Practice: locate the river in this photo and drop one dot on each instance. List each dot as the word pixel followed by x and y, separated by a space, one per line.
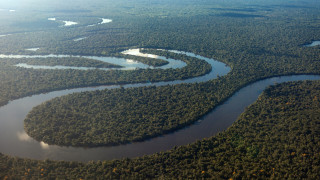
pixel 127 64
pixel 14 141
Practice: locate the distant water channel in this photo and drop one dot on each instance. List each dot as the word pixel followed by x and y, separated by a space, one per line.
pixel 127 64
pixel 314 43
pixel 14 141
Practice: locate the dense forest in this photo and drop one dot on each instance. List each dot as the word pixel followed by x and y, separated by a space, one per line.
pixel 254 47
pixel 263 51
pixel 277 137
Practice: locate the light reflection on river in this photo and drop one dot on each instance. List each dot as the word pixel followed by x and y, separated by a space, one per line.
pixel 127 64
pixel 314 43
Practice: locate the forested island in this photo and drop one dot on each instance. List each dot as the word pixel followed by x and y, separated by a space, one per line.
pixel 277 137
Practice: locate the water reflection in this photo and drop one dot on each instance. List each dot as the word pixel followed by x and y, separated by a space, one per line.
pixel 103 21
pixel 172 63
pixel 44 145
pixel 4 35
pixel 69 23
pixel 24 65
pixel 130 61
pixel 79 39
pixel 127 64
pixel 23 136
pixel 314 43
pixel 136 52
pixel 66 23
pixel 33 49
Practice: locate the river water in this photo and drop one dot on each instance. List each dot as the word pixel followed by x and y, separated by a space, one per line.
pixel 14 141
pixel 127 64
pixel 313 44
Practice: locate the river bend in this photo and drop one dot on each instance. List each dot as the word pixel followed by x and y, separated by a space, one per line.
pixel 14 141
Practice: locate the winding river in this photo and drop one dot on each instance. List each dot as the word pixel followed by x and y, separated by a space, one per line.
pixel 14 141
pixel 127 64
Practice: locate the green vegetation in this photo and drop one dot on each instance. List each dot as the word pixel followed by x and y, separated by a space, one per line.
pixel 257 40
pixel 255 48
pixel 276 137
pixel 116 116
